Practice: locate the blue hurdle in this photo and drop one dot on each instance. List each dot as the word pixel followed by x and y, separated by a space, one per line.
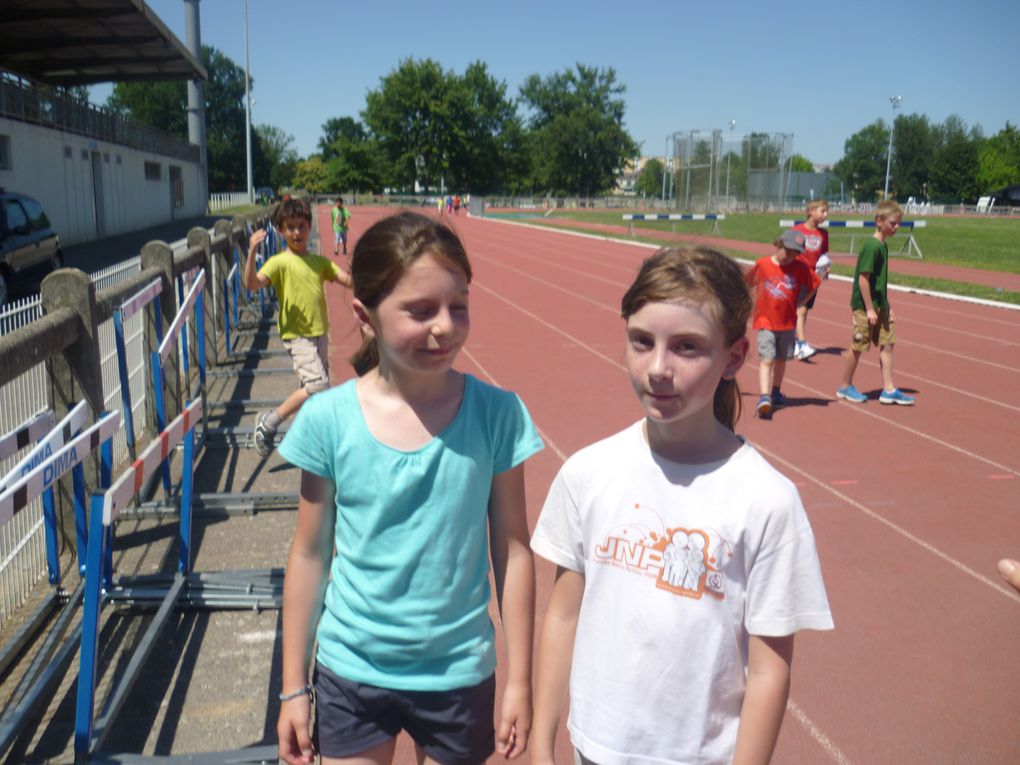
pixel 177 328
pixel 137 302
pixel 106 506
pixel 714 217
pixel 910 245
pixel 42 677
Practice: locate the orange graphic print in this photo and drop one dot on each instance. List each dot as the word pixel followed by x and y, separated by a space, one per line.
pixel 685 562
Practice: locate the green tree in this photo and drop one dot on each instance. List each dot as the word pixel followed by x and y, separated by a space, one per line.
pixel 862 167
pixel 354 160
pixel 649 181
pixel 914 141
pixel 163 105
pixel 280 157
pixel 310 175
pixel 436 127
pixel 576 120
pixel 999 160
pixel 801 164
pixel 955 161
pixel 411 115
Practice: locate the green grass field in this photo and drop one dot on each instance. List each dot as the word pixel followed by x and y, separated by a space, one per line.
pixel 992 244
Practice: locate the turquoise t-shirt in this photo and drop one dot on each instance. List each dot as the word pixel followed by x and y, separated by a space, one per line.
pixel 406 606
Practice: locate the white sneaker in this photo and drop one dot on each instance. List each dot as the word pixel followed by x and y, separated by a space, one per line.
pixel 798 349
pixel 806 351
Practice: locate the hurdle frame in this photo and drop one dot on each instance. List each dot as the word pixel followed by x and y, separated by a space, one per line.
pixel 909 246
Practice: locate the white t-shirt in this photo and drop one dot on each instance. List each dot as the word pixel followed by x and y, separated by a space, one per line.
pixel 682 563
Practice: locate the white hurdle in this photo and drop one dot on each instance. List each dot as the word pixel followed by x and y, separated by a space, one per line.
pixel 714 217
pixel 910 245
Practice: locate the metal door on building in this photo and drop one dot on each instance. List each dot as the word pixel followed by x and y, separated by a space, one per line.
pixel 176 191
pixel 98 208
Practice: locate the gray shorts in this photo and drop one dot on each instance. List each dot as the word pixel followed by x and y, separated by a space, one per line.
pixel 311 361
pixel 776 345
pixel 452 727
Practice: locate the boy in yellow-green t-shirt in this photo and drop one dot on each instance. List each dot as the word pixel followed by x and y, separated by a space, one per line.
pixel 299 278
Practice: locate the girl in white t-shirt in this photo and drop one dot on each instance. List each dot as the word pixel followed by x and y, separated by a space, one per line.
pixel 685 562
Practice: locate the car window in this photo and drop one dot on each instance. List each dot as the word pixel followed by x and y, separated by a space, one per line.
pixel 36 216
pixel 14 214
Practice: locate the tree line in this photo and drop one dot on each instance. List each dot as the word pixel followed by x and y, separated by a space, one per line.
pixel 561 134
pixel 941 162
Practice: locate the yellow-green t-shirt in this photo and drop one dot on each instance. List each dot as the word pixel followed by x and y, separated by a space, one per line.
pixel 298 280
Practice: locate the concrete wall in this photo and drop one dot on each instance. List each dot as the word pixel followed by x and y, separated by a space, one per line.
pixel 92 189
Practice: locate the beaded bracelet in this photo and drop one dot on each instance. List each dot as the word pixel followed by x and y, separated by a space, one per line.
pixel 303 692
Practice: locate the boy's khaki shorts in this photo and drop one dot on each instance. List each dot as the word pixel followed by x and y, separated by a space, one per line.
pixel 864 335
pixel 311 361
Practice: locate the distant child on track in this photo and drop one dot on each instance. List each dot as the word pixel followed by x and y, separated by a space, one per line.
pixel 299 278
pixel 685 562
pixel 412 476
pixel 872 316
pixel 782 284
pixel 815 257
pixel 341 217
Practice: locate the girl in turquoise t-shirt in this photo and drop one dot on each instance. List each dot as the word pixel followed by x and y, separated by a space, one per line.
pixel 412 475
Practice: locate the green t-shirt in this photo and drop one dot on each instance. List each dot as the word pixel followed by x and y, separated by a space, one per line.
pixel 340 218
pixel 298 281
pixel 874 261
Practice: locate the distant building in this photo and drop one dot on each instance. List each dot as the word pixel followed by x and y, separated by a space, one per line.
pixel 95 173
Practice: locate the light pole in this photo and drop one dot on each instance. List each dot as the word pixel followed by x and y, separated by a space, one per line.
pixel 733 124
pixel 247 106
pixel 895 101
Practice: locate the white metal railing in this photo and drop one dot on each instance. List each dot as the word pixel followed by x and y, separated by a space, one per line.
pixel 228 199
pixel 22 541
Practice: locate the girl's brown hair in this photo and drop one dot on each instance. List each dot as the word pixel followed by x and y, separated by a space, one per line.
pixel 382 256
pixel 705 277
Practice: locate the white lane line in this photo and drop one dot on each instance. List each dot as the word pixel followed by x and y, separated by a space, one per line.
pixel 861 409
pixel 1009 593
pixel 826 743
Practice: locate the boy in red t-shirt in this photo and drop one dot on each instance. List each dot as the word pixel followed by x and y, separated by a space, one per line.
pixel 782 284
pixel 816 244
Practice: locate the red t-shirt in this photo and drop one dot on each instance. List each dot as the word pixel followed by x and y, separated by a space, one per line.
pixel 816 243
pixel 777 289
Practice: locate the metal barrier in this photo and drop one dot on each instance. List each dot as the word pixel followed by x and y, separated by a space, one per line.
pixel 52 660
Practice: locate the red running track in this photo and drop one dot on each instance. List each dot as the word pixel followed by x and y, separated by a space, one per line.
pixel 911 507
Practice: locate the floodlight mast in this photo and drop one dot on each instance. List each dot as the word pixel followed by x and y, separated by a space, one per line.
pixel 895 101
pixel 247 107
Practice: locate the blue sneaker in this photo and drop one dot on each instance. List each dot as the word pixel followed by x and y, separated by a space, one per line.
pixel 778 399
pixel 850 393
pixel 764 408
pixel 895 396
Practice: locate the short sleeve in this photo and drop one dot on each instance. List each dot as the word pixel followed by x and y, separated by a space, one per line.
pixel 270 270
pixel 785 591
pixel 515 437
pixel 558 534
pixel 306 443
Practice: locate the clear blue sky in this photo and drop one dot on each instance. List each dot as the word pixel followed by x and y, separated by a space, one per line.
pixel 821 71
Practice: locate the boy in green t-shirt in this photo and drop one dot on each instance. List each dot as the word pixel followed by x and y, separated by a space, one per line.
pixel 873 318
pixel 299 278
pixel 341 217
